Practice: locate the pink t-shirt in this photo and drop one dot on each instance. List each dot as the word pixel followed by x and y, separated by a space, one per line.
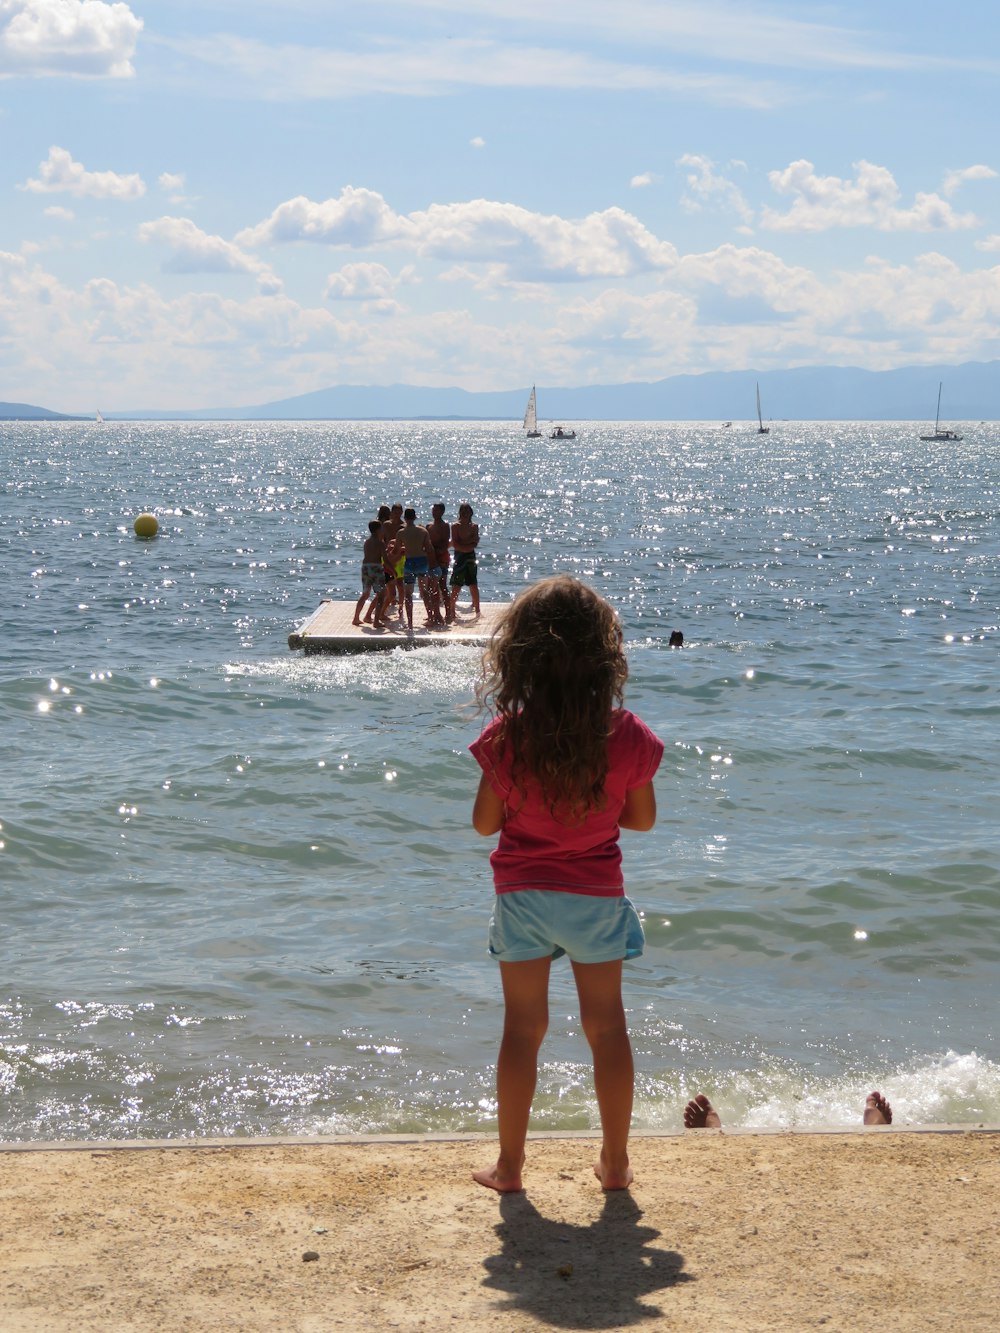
pixel 535 850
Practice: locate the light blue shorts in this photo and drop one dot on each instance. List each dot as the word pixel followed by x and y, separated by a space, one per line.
pixel 546 923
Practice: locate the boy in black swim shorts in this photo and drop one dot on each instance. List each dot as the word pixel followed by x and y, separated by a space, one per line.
pixel 465 539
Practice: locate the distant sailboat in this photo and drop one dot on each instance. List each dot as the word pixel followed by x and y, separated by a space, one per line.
pixel 761 428
pixel 98 418
pixel 940 434
pixel 531 417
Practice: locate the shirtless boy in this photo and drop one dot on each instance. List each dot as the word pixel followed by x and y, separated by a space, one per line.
pixel 440 535
pixel 465 539
pixel 419 558
pixel 372 577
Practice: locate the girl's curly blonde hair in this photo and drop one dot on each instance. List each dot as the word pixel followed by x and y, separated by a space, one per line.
pixel 553 674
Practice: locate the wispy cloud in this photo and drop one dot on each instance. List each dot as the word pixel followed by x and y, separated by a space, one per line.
pixel 423 68
pixel 59 174
pixel 83 38
pixel 743 33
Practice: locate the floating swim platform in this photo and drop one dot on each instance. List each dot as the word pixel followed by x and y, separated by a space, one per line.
pixel 331 629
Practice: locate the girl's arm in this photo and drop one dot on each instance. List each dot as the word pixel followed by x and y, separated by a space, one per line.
pixel 488 811
pixel 639 810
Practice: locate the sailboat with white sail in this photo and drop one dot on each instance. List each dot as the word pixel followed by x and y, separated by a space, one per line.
pixel 531 422
pixel 531 417
pixel 940 434
pixel 761 428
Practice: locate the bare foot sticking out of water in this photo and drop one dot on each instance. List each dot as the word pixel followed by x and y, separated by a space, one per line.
pixel 496 1178
pixel 877 1110
pixel 701 1114
pixel 619 1179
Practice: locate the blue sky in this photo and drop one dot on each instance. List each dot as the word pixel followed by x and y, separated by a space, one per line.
pixel 221 203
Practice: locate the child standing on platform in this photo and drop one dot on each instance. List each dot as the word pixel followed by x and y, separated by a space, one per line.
pixel 372 577
pixel 564 768
pixel 465 539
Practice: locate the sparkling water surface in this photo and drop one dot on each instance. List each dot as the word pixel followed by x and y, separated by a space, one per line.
pixel 240 891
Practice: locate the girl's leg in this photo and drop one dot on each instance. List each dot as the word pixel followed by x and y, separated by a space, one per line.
pixel 602 1014
pixel 525 1019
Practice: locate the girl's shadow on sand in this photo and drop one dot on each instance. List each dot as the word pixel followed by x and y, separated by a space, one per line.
pixel 581 1277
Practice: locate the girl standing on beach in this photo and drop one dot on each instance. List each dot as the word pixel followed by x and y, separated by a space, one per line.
pixel 564 768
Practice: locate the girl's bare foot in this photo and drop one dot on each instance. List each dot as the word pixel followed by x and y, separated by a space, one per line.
pixel 500 1179
pixel 618 1179
pixel 877 1110
pixel 701 1114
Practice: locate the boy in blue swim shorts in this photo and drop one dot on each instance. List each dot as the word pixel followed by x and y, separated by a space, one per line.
pixel 419 555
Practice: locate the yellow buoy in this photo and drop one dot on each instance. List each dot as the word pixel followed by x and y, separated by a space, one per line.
pixel 146 525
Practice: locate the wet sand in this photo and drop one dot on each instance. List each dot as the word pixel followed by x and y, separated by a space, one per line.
pixel 720 1232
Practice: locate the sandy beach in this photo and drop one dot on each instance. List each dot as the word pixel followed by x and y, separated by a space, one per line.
pixel 719 1232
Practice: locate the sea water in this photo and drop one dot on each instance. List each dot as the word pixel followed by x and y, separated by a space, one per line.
pixel 240 891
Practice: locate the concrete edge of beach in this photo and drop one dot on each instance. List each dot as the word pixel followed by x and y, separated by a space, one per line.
pixel 327 1140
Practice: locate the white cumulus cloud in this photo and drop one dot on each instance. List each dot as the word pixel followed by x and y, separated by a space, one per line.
pixel 870 199
pixel 172 183
pixel 531 247
pixel 357 218
pixel 954 179
pixel 85 38
pixel 196 251
pixel 709 188
pixel 361 282
pixel 644 178
pixel 60 174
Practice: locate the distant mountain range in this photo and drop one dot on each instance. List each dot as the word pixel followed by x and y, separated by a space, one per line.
pixel 26 412
pixel 814 393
